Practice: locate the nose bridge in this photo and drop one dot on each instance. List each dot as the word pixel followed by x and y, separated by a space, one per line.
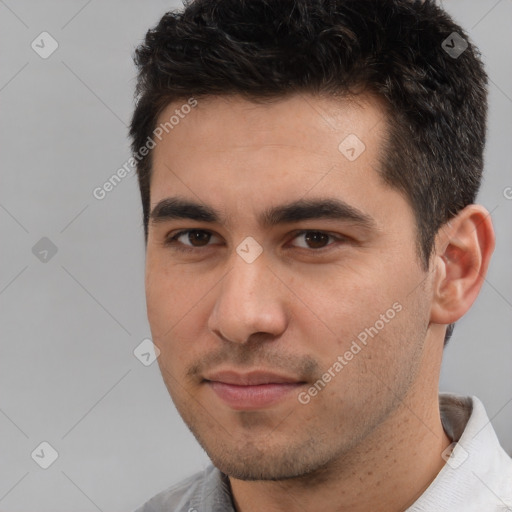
pixel 248 301
pixel 248 276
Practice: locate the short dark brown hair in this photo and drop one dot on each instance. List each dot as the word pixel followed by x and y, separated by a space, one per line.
pixel 409 53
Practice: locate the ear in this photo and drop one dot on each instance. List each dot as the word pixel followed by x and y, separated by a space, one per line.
pixel 463 249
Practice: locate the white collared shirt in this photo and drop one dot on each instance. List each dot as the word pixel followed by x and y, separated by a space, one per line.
pixel 477 477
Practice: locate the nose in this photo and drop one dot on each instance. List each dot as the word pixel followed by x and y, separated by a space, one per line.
pixel 250 300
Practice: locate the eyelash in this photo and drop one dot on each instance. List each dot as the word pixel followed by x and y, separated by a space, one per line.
pixel 175 245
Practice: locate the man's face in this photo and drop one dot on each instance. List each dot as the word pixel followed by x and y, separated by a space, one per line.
pixel 285 350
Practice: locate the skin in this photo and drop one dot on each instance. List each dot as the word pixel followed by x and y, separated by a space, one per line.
pixel 372 437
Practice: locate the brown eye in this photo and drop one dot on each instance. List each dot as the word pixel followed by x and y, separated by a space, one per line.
pixel 189 239
pixel 314 239
pixel 199 238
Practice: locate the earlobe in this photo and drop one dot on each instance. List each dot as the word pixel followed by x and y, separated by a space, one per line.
pixel 464 246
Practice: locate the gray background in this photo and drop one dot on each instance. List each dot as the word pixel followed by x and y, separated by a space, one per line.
pixel 69 326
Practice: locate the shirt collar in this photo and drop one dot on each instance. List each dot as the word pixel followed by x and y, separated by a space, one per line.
pixel 477 468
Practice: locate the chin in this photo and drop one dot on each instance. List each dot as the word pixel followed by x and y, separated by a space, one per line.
pixel 271 463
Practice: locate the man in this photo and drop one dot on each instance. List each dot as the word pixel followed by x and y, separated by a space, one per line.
pixel 308 172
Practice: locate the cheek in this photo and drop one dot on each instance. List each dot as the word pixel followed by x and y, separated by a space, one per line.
pixel 368 314
pixel 351 300
pixel 169 293
pixel 166 301
pixel 159 303
pixel 177 305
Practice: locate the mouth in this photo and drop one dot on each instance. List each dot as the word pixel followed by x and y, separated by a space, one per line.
pixel 251 391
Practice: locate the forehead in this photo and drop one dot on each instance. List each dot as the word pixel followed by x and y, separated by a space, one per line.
pixel 293 120
pixel 251 152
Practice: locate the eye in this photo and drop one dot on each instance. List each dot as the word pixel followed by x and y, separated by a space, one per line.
pixel 316 239
pixel 189 239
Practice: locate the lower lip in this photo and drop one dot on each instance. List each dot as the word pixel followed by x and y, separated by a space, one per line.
pixel 252 397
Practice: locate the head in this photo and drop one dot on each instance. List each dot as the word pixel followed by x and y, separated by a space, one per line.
pixel 345 119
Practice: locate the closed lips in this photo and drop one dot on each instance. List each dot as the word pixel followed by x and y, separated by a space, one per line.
pixel 251 379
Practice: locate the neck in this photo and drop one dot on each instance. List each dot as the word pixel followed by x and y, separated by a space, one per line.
pixel 388 471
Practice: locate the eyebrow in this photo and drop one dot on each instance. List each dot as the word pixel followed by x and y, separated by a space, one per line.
pixel 296 211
